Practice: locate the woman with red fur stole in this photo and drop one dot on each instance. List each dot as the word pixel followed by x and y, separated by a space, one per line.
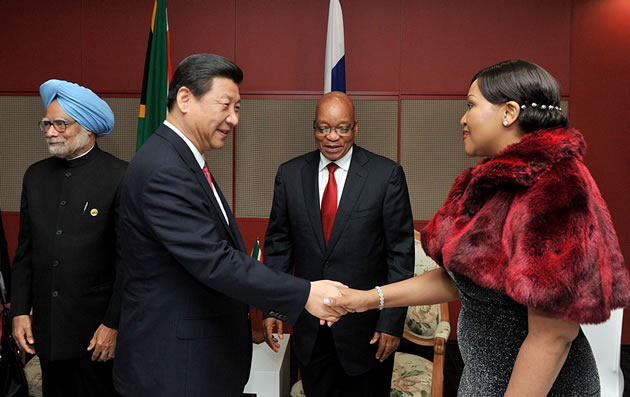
pixel 524 239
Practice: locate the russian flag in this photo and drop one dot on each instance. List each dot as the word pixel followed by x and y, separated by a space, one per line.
pixel 335 65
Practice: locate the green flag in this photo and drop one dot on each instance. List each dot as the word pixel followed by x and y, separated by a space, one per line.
pixel 157 75
pixel 256 251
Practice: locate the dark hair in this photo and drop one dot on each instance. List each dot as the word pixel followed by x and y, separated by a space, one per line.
pixel 526 84
pixel 197 71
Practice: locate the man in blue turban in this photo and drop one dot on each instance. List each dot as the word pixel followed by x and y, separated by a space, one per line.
pixel 66 264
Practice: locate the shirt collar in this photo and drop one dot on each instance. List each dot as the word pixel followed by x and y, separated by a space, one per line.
pixel 83 154
pixel 82 159
pixel 198 156
pixel 343 163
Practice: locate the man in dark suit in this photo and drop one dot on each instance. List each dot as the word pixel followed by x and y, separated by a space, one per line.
pixel 65 266
pixel 367 241
pixel 184 327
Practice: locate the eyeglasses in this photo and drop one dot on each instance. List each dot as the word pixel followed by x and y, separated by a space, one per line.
pixel 341 130
pixel 59 125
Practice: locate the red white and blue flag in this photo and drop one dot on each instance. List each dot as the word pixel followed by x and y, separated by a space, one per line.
pixel 335 64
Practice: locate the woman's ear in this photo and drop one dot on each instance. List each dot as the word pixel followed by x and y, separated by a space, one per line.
pixel 511 111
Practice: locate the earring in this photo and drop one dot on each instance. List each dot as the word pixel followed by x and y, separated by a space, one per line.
pixel 505 123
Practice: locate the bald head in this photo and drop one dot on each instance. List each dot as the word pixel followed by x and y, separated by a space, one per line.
pixel 335 127
pixel 338 100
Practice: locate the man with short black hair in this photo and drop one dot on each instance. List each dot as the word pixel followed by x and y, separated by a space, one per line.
pixel 185 328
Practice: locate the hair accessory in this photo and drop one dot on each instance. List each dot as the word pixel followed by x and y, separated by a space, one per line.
pixel 505 123
pixel 543 107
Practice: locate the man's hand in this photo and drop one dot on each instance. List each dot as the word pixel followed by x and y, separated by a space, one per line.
pixel 319 297
pixel 354 300
pixel 23 334
pixel 387 344
pixel 104 343
pixel 268 325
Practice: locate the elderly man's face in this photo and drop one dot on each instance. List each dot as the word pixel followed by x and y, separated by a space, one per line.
pixel 71 143
pixel 335 112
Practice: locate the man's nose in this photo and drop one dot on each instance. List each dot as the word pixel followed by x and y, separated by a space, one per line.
pixel 232 118
pixel 51 132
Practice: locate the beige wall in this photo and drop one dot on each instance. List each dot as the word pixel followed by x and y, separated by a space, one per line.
pixel 270 132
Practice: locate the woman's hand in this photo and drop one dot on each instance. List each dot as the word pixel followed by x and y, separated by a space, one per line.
pixel 354 300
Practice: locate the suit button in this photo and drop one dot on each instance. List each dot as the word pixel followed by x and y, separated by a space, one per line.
pixel 58 232
pixel 55 294
pixel 63 202
pixel 68 173
pixel 55 263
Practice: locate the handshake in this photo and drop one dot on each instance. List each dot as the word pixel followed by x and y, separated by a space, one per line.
pixel 328 301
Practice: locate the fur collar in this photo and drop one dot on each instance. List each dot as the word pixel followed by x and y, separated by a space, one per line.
pixel 521 163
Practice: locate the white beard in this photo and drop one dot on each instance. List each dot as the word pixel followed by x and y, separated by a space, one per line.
pixel 65 151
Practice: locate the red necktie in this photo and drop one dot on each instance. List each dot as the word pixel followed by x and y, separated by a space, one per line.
pixel 206 172
pixel 329 202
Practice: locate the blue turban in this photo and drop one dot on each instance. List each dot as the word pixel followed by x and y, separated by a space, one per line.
pixel 80 103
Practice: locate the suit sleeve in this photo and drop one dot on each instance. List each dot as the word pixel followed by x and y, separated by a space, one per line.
pixel 22 271
pixel 112 315
pixel 278 244
pixel 5 266
pixel 179 214
pixel 398 232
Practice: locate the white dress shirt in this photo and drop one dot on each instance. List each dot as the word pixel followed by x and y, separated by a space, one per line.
pixel 200 160
pixel 340 174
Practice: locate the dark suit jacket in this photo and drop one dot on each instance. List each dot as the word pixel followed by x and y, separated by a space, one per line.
pixel 184 328
pixel 5 265
pixel 66 261
pixel 371 244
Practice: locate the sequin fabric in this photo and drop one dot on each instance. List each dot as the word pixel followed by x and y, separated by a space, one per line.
pixel 490 331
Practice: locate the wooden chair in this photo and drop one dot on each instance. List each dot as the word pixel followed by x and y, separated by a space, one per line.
pixel 426 326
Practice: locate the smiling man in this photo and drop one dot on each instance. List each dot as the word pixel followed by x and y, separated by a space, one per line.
pixel 65 267
pixel 185 328
pixel 342 213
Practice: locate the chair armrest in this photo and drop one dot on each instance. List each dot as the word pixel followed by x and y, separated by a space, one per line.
pixel 443 330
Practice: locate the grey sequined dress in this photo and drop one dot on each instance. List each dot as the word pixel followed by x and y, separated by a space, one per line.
pixel 490 331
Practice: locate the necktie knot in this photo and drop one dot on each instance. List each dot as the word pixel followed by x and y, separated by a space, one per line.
pixel 332 167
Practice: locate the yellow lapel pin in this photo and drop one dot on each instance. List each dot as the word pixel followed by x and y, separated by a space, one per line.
pixel 94 212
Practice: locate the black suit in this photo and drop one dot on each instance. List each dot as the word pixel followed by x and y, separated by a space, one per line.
pixel 66 266
pixel 185 329
pixel 371 244
pixel 66 259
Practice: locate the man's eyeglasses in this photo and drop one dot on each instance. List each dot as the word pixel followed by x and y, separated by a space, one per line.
pixel 341 130
pixel 59 125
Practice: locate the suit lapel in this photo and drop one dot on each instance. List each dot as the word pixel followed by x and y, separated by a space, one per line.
pixel 233 227
pixel 355 180
pixel 310 187
pixel 187 156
